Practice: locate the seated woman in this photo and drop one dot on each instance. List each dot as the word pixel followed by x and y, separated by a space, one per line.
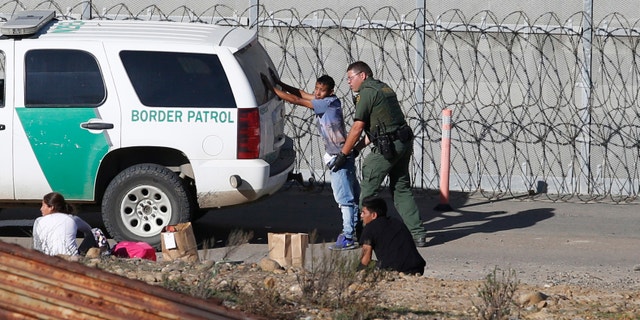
pixel 55 232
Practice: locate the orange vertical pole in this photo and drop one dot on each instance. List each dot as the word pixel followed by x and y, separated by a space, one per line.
pixel 445 161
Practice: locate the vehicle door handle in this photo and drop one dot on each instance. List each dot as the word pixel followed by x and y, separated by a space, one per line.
pixel 2 126
pixel 97 125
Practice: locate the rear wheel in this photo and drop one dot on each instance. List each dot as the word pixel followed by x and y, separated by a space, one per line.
pixel 142 199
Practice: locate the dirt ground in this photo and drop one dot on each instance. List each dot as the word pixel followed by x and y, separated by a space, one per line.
pixel 393 296
pixel 572 260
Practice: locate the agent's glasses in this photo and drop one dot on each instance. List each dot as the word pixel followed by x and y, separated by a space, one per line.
pixel 353 76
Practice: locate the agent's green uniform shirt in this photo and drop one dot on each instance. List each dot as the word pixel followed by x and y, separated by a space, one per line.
pixel 377 105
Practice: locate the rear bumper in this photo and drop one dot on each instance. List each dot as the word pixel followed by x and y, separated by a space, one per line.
pixel 258 177
pixel 286 159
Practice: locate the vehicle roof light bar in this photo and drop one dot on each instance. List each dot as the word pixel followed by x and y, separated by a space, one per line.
pixel 27 22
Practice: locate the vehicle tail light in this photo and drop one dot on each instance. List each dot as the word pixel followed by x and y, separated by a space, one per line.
pixel 248 133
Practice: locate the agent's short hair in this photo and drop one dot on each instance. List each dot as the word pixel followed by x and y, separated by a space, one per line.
pixel 375 204
pixel 360 66
pixel 327 81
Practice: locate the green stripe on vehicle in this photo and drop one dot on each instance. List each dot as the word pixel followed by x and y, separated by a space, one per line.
pixel 69 156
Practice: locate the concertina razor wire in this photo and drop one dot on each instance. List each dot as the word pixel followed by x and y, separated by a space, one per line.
pixel 541 106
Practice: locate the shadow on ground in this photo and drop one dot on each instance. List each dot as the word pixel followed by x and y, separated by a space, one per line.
pixel 462 220
pixel 298 208
pixel 301 209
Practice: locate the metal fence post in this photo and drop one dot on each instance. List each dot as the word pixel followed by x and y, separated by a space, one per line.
pixel 586 84
pixel 421 5
pixel 86 10
pixel 254 13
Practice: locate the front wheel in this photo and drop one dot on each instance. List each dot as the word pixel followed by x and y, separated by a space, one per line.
pixel 142 199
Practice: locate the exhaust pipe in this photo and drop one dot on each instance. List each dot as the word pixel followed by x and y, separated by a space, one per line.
pixel 235 181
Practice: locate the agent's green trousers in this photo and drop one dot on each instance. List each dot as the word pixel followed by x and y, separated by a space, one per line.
pixel 374 170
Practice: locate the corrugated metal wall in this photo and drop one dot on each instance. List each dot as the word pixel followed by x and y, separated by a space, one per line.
pixel 37 286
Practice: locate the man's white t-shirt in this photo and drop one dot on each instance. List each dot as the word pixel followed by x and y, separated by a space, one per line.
pixel 55 234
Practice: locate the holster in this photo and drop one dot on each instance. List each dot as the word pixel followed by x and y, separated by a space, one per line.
pixel 384 141
pixel 385 144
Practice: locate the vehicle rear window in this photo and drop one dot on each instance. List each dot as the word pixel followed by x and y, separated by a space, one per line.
pixel 61 77
pixel 173 79
pixel 254 60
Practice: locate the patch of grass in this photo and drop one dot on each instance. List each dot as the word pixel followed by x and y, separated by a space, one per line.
pixel 197 285
pixel 267 302
pixel 235 240
pixel 403 311
pixel 330 286
pixel 333 281
pixel 496 294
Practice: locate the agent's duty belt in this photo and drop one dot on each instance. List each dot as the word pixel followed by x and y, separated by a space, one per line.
pixel 384 141
pixel 404 134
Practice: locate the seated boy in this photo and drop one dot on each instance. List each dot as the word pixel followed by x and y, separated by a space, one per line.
pixel 389 238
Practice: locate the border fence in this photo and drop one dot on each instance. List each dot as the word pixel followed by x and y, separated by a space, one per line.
pixel 541 105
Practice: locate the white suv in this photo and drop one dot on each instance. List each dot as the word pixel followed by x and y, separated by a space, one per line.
pixel 152 120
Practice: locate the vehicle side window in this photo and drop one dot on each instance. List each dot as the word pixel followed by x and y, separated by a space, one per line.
pixel 60 77
pixel 172 79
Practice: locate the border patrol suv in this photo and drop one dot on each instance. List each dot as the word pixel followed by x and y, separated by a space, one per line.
pixel 151 120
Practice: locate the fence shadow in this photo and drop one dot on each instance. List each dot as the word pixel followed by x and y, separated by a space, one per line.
pixel 302 209
pixel 453 225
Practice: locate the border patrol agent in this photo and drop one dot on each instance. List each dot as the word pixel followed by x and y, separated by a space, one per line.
pixel 379 115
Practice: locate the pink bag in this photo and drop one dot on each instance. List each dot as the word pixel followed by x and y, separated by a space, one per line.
pixel 130 249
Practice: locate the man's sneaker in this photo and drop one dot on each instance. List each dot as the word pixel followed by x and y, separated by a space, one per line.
pixel 421 241
pixel 343 243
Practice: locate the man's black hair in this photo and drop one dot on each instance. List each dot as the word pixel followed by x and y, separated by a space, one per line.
pixel 375 204
pixel 327 81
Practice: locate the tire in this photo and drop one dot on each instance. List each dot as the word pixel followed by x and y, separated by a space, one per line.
pixel 142 199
